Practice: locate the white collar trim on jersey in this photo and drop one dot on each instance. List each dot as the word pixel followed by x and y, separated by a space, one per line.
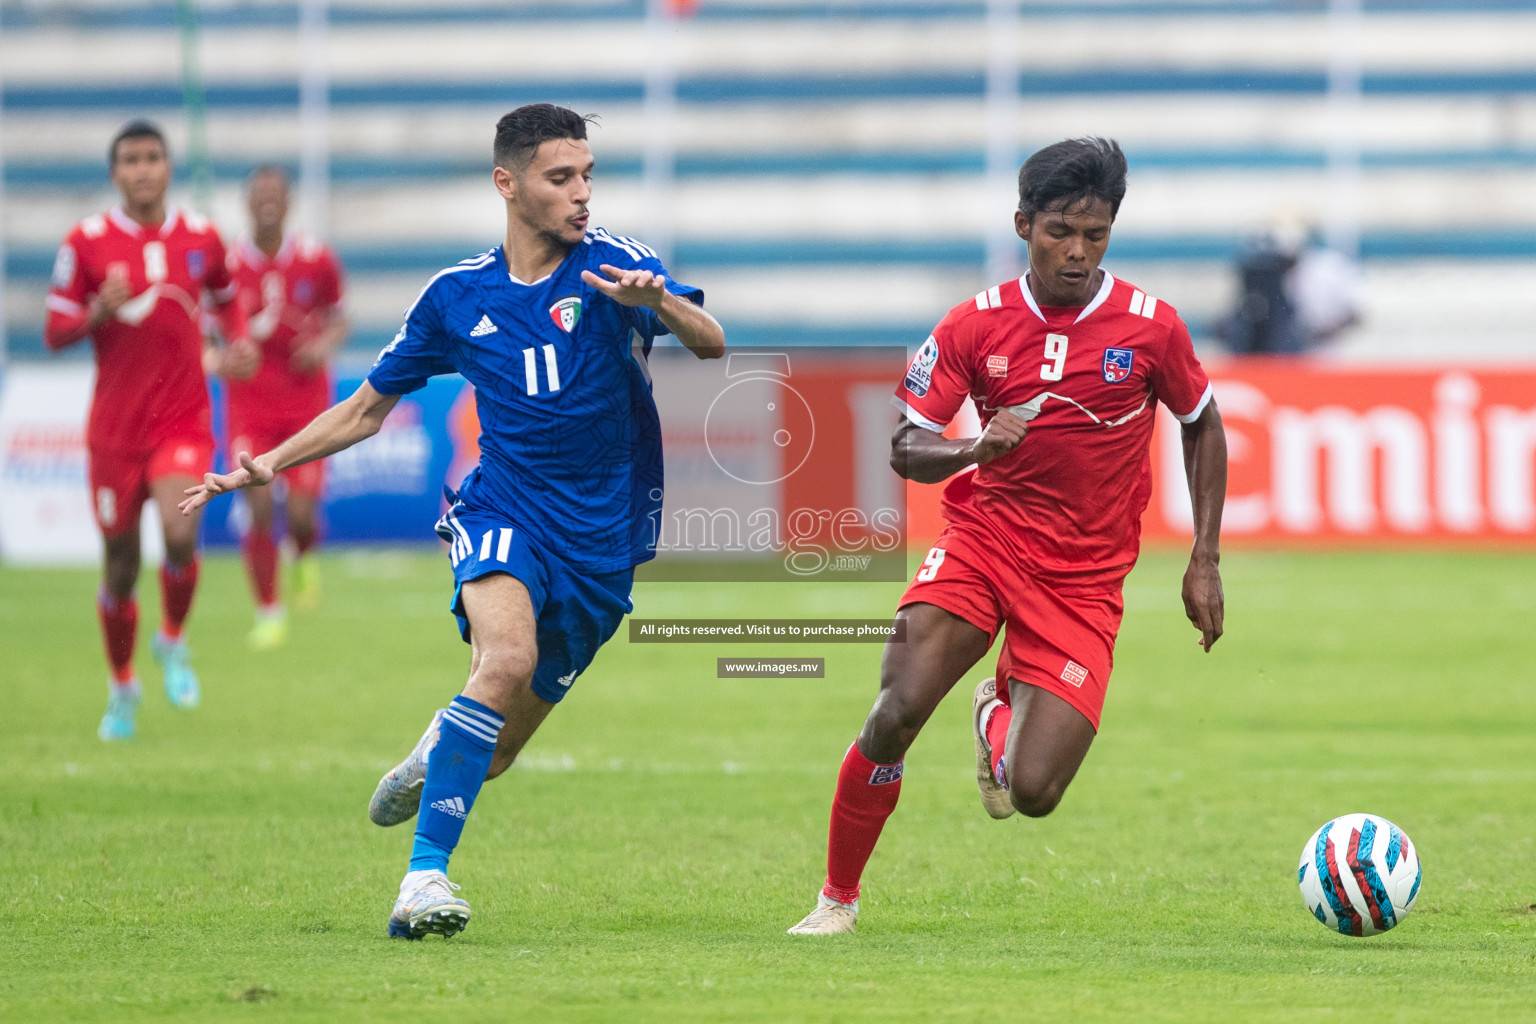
pixel 528 284
pixel 1098 300
pixel 132 227
pixel 252 254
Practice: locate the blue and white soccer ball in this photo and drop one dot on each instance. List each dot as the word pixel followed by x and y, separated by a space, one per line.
pixel 1359 875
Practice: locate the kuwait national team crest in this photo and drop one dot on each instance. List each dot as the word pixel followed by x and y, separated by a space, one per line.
pixel 566 313
pixel 1117 364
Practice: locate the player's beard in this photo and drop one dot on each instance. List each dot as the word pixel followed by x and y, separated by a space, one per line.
pixel 559 236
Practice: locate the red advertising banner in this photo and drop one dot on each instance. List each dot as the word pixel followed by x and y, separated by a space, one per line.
pixel 1323 455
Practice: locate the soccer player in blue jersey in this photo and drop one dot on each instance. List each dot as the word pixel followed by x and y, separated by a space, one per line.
pixel 545 532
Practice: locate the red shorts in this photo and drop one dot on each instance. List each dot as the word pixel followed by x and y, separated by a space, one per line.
pixel 305 479
pixel 120 482
pixel 1060 638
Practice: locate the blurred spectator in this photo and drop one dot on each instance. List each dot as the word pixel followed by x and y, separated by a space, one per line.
pixel 1324 288
pixel 1265 318
pixel 1294 293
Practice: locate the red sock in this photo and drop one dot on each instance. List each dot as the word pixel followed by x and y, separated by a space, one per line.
pixel 866 796
pixel 261 564
pixel 119 627
pixel 997 733
pixel 177 584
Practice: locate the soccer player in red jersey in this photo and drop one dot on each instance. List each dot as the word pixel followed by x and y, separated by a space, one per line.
pixel 132 280
pixel 290 287
pixel 1064 365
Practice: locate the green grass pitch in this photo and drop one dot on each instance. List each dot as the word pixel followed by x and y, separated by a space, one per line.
pixel 666 826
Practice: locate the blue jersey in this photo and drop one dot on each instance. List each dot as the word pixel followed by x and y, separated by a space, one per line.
pixel 570 445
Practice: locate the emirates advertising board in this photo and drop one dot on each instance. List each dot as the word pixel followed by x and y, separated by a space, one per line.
pixel 1324 455
pixel 777 464
pixel 1336 456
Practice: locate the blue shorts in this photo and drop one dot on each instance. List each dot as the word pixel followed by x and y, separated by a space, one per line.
pixel 575 613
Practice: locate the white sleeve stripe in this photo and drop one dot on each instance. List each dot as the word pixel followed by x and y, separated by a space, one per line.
pixel 1205 400
pixel 981 300
pixel 1150 308
pixel 995 296
pixel 916 417
pixel 602 235
pixel 479 261
pixel 1137 298
pixel 644 250
pixel 59 304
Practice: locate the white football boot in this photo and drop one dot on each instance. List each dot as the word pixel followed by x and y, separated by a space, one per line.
pixel 397 797
pixel 427 906
pixel 829 918
pixel 994 796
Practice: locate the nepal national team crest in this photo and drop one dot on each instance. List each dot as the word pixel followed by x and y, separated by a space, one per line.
pixel 566 313
pixel 920 373
pixel 1117 364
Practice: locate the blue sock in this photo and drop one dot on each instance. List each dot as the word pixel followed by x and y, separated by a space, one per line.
pixel 455 772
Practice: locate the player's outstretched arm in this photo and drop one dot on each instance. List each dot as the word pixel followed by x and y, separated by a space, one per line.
pixel 1205 467
pixel 692 324
pixel 339 427
pixel 926 457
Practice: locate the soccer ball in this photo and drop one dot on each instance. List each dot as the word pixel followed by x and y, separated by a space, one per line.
pixel 1359 874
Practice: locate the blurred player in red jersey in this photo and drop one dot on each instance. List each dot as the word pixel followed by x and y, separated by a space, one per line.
pixel 132 280
pixel 290 286
pixel 1065 366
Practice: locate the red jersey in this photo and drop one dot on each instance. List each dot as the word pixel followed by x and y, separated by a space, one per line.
pixel 150 386
pixel 287 298
pixel 1068 501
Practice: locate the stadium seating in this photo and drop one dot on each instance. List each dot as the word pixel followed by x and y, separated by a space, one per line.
pixel 829 156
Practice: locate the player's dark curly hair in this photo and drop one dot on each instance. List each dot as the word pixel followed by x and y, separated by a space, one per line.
pixel 1077 171
pixel 138 128
pixel 520 133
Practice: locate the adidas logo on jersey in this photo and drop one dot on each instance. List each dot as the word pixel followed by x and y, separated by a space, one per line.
pixel 483 328
pixel 452 805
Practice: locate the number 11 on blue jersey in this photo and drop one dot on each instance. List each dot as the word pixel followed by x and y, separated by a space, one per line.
pixel 551 370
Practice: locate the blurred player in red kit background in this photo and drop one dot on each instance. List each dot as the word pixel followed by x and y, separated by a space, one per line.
pixel 132 280
pixel 290 286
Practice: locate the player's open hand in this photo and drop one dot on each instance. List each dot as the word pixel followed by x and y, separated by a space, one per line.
pixel 1004 433
pixel 629 287
pixel 1203 600
pixel 250 474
